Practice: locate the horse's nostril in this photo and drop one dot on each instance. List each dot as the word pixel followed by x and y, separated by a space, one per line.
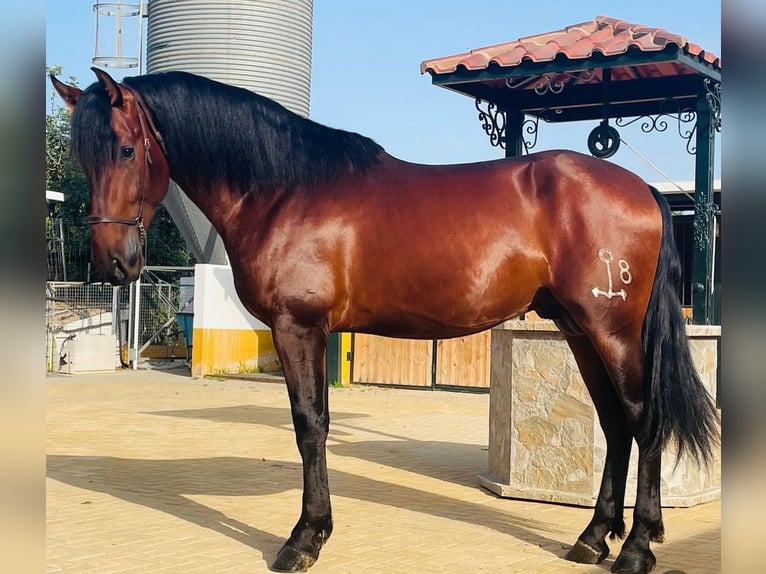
pixel 118 272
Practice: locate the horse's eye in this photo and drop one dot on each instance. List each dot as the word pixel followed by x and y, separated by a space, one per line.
pixel 126 152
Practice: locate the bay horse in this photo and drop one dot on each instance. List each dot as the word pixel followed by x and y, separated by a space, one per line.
pixel 327 232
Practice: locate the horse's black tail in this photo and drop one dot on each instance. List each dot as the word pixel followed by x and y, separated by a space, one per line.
pixel 676 405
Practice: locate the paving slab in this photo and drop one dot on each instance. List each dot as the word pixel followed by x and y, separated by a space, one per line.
pixel 152 471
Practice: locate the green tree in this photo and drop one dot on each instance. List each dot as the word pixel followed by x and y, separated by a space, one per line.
pixel 164 243
pixel 165 246
pixel 62 174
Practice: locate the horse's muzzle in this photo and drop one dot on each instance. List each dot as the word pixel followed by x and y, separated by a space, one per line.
pixel 124 269
pixel 119 258
pixel 118 267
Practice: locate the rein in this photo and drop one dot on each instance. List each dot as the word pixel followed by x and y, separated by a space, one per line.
pixel 146 122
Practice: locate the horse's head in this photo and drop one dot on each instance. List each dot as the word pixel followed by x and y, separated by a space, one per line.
pixel 116 143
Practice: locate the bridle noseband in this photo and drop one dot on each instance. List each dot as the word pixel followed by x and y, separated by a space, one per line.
pixel 146 122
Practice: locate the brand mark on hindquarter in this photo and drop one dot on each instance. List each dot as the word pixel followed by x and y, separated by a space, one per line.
pixel 606 256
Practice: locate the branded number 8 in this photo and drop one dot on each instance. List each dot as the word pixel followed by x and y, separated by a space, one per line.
pixel 625 275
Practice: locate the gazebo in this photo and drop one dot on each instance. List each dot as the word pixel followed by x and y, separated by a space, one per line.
pixel 603 69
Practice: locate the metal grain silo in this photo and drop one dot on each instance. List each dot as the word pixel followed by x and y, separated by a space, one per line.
pixel 260 45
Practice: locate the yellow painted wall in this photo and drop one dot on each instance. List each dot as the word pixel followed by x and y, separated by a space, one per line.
pixel 232 351
pixel 345 363
pixel 237 350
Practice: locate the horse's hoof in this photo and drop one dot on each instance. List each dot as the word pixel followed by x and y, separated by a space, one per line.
pixel 291 559
pixel 633 562
pixel 585 554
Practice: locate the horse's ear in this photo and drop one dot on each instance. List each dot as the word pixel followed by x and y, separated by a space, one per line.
pixel 115 95
pixel 70 94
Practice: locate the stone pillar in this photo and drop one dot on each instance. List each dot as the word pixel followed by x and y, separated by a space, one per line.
pixel 545 442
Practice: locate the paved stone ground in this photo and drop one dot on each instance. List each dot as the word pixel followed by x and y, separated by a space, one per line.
pixel 151 471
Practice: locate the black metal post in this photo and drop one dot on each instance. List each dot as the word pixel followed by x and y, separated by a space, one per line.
pixel 434 366
pixel 333 359
pixel 702 262
pixel 514 138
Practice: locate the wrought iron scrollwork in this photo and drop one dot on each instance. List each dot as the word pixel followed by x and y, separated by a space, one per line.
pixel 713 97
pixel 545 85
pixel 702 226
pixel 512 85
pixel 492 122
pixel 529 133
pixel 686 120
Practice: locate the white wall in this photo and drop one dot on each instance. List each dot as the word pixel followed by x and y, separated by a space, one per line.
pixel 216 304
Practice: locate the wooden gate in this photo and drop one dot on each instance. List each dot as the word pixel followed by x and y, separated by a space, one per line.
pixel 386 361
pixel 463 362
pixel 459 363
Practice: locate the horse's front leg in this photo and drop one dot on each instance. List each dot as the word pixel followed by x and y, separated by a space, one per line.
pixel 302 352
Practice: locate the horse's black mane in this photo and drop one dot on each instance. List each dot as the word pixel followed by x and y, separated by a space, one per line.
pixel 215 133
pixel 93 142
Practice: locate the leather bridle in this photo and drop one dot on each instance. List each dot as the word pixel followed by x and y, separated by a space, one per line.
pixel 146 122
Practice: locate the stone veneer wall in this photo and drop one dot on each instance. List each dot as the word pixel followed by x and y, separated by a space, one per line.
pixel 545 441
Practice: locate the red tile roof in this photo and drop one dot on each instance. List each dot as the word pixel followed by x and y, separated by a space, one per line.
pixel 609 36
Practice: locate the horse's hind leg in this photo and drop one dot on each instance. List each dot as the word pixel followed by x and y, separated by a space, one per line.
pixel 591 547
pixel 623 358
pixel 635 556
pixel 302 353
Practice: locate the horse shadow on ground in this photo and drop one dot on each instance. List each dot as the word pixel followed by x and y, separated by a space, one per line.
pixel 275 417
pixel 166 485
pixel 448 461
pixel 670 555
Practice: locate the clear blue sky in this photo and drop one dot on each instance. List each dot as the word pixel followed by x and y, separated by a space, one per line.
pixel 366 77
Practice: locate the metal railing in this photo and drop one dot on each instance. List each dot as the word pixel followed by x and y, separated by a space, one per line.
pixel 73 308
pixel 141 317
pixel 155 300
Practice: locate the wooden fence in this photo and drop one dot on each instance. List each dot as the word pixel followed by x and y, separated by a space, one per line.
pixel 461 362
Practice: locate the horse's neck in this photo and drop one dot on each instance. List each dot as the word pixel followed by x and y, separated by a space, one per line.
pixel 222 206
